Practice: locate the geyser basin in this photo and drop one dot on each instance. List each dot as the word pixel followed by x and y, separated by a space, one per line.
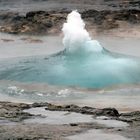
pixel 83 63
pixel 93 70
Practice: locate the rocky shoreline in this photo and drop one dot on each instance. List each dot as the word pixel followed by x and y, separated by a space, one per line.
pixel 12 126
pixel 104 17
pixel 50 22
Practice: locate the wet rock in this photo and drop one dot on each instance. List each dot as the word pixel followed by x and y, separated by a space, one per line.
pixel 42 104
pixel 14 111
pixel 107 112
pixel 84 110
pixel 99 17
pixel 15 115
pixel 70 108
pixel 101 112
pixel 130 117
pixel 8 16
pixel 73 124
pixel 32 40
pixel 34 13
pixel 47 22
pixel 36 22
pixel 7 40
pixel 14 106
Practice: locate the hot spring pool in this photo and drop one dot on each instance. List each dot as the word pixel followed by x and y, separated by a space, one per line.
pixel 89 70
pixel 83 63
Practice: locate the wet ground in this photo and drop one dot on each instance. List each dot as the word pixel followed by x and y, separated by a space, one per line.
pixel 39 121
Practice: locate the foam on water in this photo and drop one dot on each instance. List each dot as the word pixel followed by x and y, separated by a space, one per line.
pixel 83 63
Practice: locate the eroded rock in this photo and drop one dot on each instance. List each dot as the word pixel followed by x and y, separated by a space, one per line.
pixel 47 22
pixel 84 110
pixel 14 111
pixel 130 117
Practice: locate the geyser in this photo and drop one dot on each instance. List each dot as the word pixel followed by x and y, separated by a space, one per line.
pixel 83 63
pixel 76 37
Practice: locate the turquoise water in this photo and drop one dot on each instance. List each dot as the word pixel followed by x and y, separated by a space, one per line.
pixel 83 62
pixel 79 68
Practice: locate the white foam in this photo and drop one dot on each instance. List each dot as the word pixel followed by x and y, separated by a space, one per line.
pixel 76 36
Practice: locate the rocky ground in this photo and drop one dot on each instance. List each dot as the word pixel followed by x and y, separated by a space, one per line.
pixel 12 126
pixel 119 18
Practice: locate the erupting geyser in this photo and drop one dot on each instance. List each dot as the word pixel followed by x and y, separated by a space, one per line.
pixel 83 63
pixel 76 36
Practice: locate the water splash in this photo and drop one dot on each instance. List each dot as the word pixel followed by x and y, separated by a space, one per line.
pixel 76 37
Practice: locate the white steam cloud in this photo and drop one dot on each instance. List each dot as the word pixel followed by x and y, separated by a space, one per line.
pixel 76 36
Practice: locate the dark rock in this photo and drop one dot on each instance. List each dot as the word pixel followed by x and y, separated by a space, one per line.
pixel 34 13
pixel 40 104
pixel 73 124
pixel 132 114
pixel 18 19
pixel 107 112
pixel 7 40
pixel 14 115
pixel 45 22
pixel 130 117
pixel 132 16
pixel 14 111
pixel 84 110
pixel 7 15
pixel 14 106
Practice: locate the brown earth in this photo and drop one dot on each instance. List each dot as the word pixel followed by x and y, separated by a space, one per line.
pixel 109 17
